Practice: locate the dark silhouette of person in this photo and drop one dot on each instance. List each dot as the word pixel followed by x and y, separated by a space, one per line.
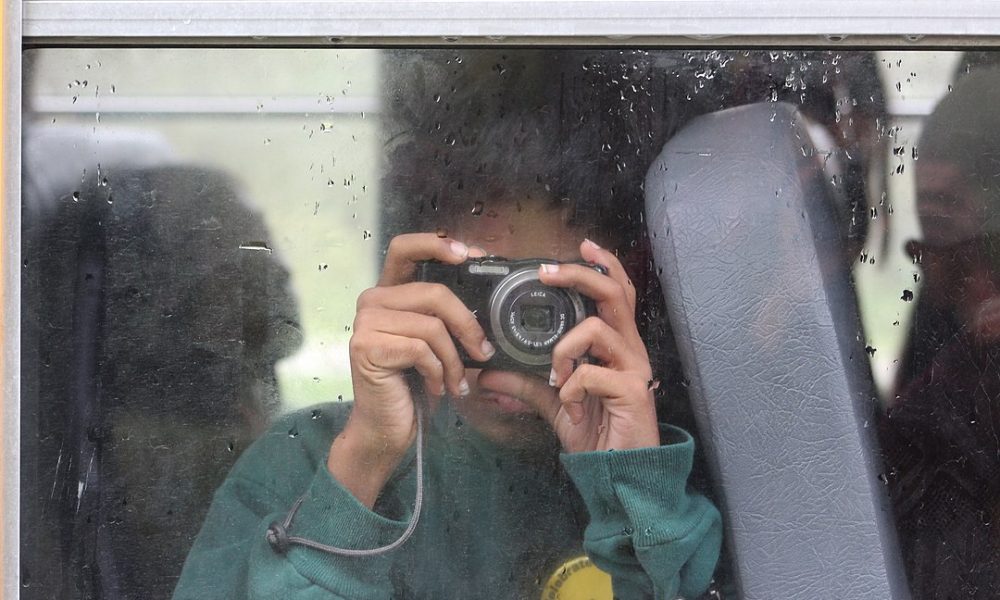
pixel 149 339
pixel 942 432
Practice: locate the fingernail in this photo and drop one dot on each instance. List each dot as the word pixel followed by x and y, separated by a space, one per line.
pixel 591 243
pixel 463 387
pixel 459 249
pixel 488 349
pixel 553 378
pixel 550 268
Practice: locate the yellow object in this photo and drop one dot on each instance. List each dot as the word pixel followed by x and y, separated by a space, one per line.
pixel 578 579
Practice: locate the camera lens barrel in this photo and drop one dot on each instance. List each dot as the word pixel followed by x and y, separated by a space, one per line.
pixel 528 317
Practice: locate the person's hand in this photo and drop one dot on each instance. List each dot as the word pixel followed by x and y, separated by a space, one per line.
pixel 608 404
pixel 401 324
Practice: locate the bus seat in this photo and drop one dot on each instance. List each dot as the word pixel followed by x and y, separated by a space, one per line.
pixel 750 255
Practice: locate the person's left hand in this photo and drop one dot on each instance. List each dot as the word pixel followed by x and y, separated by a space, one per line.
pixel 608 404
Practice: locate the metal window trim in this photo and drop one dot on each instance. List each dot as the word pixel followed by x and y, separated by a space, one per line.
pixel 10 271
pixel 635 22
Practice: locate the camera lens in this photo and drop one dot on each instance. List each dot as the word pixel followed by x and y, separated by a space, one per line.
pixel 537 318
pixel 528 317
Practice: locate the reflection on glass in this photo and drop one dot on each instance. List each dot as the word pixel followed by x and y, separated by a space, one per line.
pixel 201 228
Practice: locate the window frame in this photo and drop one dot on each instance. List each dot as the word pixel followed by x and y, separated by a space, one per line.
pixel 424 22
pixel 924 24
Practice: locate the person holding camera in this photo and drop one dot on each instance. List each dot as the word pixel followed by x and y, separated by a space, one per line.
pixel 645 529
pixel 503 438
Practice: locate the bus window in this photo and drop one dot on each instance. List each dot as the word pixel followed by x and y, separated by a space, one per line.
pixel 249 273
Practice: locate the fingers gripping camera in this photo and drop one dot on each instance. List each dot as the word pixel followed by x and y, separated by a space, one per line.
pixel 523 317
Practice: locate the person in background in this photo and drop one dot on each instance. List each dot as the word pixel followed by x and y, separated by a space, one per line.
pixel 941 434
pixel 149 341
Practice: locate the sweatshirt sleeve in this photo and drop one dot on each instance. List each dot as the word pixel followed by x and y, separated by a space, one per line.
pixel 231 557
pixel 654 536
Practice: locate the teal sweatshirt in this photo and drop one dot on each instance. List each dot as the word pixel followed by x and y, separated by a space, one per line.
pixel 496 523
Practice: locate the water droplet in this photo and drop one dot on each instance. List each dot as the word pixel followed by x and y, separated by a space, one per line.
pixel 907 296
pixel 477 208
pixel 76 196
pixel 293 432
pixel 315 414
pixel 366 235
pixel 870 350
pixel 256 246
pixel 442 232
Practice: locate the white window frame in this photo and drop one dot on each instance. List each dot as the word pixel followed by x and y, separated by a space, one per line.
pixel 722 23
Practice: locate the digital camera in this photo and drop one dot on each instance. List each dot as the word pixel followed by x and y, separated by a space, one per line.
pixel 521 316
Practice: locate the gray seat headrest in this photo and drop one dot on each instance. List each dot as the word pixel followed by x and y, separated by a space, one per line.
pixel 750 256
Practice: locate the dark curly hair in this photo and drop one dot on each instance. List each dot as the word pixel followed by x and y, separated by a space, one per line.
pixel 575 129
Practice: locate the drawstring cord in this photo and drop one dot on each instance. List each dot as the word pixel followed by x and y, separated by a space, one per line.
pixel 277 533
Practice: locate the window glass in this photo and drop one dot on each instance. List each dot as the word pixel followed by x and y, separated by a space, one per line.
pixel 291 256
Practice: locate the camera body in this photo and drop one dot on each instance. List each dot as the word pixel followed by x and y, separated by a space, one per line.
pixel 522 317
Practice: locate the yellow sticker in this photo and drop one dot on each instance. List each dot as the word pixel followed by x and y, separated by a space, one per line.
pixel 578 579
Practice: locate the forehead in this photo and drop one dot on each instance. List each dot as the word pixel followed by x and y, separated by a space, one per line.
pixel 517 229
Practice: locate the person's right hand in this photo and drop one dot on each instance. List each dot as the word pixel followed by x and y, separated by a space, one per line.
pixel 401 324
